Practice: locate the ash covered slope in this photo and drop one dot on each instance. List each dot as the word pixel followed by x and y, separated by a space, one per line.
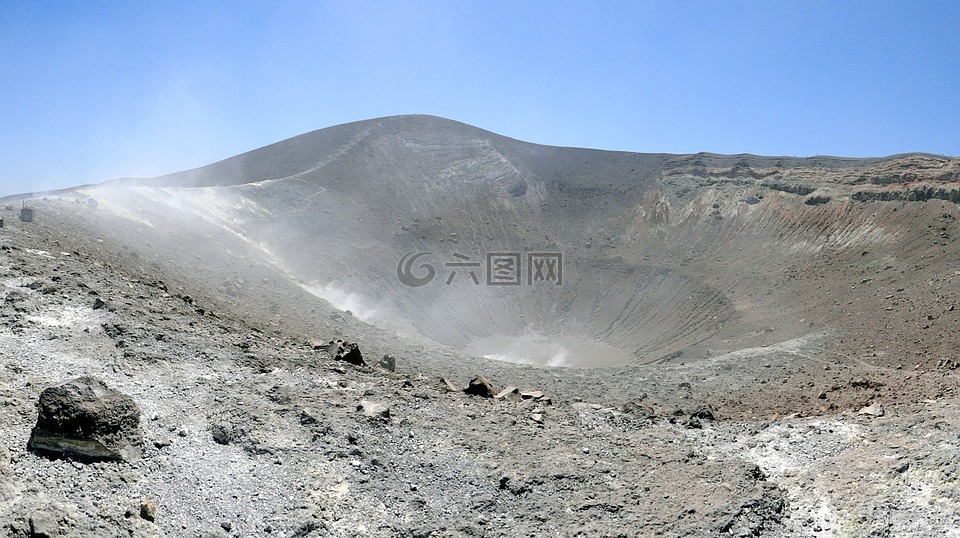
pixel 664 256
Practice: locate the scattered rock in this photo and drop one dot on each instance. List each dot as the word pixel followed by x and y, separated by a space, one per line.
pixel 83 417
pixel 902 468
pixel 948 364
pixel 873 410
pixel 113 330
pixel 703 412
pixel 44 525
pixel 536 396
pixel 308 416
pixel 822 395
pixel 637 409
pixel 692 423
pixel 510 394
pixel 450 386
pixel 4 460
pixel 388 362
pixel 373 409
pixel 480 386
pixel 345 351
pixel 865 384
pixel 282 394
pixel 221 434
pixel 148 510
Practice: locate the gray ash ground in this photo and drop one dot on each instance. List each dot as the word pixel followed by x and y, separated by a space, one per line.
pixel 251 431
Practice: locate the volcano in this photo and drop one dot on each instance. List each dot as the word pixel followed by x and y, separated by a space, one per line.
pixel 659 257
pixel 686 344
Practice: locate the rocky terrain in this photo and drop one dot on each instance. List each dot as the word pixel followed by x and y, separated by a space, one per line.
pixel 741 345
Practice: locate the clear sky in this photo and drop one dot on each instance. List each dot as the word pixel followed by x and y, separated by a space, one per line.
pixel 91 91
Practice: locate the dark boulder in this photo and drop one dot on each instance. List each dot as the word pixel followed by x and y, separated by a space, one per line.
pixel 703 412
pixel 389 362
pixel 85 419
pixel 345 351
pixel 479 386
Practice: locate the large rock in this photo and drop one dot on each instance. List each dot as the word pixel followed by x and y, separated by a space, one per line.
pixel 86 419
pixel 345 351
pixel 480 386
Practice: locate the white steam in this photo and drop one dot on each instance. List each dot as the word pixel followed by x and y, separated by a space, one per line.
pixel 555 350
pixel 556 355
pixel 530 347
pixel 359 305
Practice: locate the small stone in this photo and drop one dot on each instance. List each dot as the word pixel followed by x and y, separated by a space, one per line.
pixel 450 386
pixel 148 510
pixel 511 394
pixel 704 412
pixel 227 526
pixel 4 460
pixel 221 434
pixel 822 395
pixel 388 362
pixel 373 409
pixel 532 395
pixel 637 409
pixel 873 410
pixel 308 416
pixel 692 423
pixel 537 417
pixel 43 525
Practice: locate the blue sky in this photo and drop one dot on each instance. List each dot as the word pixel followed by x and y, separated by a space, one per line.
pixel 96 90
